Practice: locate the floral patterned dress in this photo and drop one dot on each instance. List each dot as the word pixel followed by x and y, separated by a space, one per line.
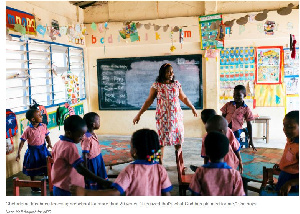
pixel 169 116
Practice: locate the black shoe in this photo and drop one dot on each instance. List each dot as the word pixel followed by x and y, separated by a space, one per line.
pixel 193 168
pixel 35 189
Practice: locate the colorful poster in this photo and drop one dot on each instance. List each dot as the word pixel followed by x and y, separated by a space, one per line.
pixel 18 17
pixel 237 67
pixel 270 95
pixel 291 72
pixel 209 28
pixel 269 65
pixel 72 87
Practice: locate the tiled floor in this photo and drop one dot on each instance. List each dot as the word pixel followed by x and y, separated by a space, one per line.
pixel 191 155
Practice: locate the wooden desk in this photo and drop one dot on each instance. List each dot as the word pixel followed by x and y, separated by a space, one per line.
pixel 265 121
pixel 253 162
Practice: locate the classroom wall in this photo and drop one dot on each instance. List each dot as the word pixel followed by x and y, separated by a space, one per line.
pixel 120 122
pixel 44 12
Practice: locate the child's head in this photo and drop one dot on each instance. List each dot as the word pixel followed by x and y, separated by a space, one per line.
pixel 239 93
pixel 291 124
pixel 165 73
pixel 206 114
pixel 92 120
pixel 216 123
pixel 143 142
pixel 216 146
pixel 34 116
pixel 75 128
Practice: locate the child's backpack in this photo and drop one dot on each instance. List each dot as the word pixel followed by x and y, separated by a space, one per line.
pixel 11 124
pixel 70 108
pixel 61 114
pixel 42 109
pixel 11 130
pixel 44 114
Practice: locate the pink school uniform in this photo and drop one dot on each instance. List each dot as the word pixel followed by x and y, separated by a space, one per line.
pixel 143 178
pixel 95 163
pixel 236 116
pixel 66 158
pixel 35 162
pixel 234 146
pixel 217 179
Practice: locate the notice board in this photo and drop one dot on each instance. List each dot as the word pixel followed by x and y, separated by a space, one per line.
pixel 124 83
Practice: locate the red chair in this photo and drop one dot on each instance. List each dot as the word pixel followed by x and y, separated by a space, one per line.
pixel 49 167
pixel 183 179
pixel 17 183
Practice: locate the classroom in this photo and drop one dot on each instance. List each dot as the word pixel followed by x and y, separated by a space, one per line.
pixel 75 57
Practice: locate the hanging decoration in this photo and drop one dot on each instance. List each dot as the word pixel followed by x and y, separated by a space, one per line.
pixel 242 20
pixel 261 16
pixel 129 31
pixel 285 10
pixel 269 27
pixel 172 48
pixel 209 31
pixel 269 65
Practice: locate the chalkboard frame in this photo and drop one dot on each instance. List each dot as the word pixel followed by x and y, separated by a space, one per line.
pixel 153 58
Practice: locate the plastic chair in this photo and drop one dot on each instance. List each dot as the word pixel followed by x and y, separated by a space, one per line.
pixel 269 182
pixel 49 166
pixel 183 179
pixel 17 183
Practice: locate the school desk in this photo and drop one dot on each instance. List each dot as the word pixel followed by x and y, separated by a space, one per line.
pixel 253 162
pixel 265 121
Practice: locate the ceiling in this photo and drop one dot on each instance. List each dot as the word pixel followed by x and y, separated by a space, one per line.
pixel 85 4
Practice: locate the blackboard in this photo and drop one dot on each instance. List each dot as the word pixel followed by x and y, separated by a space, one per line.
pixel 124 83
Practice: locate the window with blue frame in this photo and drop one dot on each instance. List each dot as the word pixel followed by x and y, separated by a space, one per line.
pixel 34 70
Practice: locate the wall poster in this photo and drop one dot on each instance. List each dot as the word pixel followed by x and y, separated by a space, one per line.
pixel 269 65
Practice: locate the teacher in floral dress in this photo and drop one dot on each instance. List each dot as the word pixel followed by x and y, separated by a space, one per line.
pixel 169 116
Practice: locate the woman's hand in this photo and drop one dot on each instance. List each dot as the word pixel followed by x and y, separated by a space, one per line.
pixel 136 119
pixel 18 157
pixel 194 112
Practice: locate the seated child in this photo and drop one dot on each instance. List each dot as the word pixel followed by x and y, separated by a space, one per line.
pixel 143 177
pixel 233 157
pixel 68 166
pixel 35 158
pixel 236 111
pixel 91 150
pixel 289 164
pixel 206 114
pixel 216 178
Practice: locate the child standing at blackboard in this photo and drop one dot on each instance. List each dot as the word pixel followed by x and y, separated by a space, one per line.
pixel 169 116
pixel 91 150
pixel 143 177
pixel 236 111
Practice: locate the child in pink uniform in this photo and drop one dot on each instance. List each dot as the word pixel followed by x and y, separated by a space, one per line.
pixel 288 180
pixel 143 177
pixel 216 178
pixel 236 112
pixel 233 157
pixel 91 150
pixel 35 162
pixel 68 165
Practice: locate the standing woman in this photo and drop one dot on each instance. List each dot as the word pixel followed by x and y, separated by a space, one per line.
pixel 169 116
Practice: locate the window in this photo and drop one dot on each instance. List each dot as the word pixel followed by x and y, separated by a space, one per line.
pixel 34 70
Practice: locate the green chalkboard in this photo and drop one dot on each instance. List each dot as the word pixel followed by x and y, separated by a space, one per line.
pixel 124 83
